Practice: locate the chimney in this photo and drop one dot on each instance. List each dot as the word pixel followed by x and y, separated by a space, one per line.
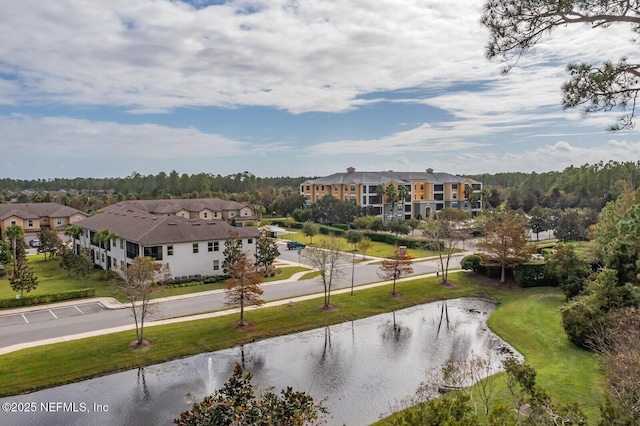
pixel 429 170
pixel 350 170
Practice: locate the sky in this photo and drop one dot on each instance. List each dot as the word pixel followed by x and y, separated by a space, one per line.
pixel 287 88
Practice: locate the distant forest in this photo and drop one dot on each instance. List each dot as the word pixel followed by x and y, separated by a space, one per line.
pixel 588 186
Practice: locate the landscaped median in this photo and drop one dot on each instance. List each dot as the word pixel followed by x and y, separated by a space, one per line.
pixel 515 319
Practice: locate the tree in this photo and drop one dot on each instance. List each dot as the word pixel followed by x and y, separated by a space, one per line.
pixel 539 220
pixel 569 269
pixel 72 231
pixel 398 227
pixel 573 224
pixel 444 229
pixel 22 278
pixel 516 27
pixel 364 245
pixel 266 251
pixel 103 240
pixel 237 403
pixel 14 233
pixel 310 229
pixel 329 261
pixel 83 264
pixel 404 194
pixel 49 242
pixel 232 249
pixel 353 237
pixel 66 258
pixel 398 266
pixel 137 283
pixel 392 197
pixel 505 240
pixel 243 286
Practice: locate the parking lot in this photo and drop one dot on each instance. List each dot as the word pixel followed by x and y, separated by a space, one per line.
pixel 50 314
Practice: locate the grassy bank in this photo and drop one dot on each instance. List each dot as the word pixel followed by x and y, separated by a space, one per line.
pixel 527 318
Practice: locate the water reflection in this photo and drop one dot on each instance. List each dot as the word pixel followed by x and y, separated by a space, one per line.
pixel 362 367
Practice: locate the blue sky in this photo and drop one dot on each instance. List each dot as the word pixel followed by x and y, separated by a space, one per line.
pixel 287 88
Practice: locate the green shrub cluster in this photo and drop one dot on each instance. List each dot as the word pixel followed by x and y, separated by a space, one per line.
pixel 47 298
pixel 191 280
pixel 407 242
pixel 533 274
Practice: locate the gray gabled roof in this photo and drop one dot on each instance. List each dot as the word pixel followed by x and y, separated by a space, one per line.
pixel 376 178
pixel 172 206
pixel 146 229
pixel 35 210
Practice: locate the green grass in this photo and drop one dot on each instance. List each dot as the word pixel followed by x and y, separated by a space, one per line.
pixel 529 320
pixel 52 279
pixel 377 249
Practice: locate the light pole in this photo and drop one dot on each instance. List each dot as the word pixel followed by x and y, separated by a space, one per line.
pixel 353 269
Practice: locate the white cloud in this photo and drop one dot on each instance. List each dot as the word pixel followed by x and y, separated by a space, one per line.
pixel 70 137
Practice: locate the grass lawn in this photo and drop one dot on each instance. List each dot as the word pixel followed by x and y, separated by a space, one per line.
pixel 52 279
pixel 529 320
pixel 377 249
pixel 526 318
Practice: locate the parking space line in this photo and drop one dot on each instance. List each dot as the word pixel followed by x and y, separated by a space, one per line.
pixel 25 318
pixel 79 310
pixel 54 315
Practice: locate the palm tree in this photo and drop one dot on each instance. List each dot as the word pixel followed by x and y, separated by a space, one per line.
pixel 380 191
pixel 392 196
pixel 103 240
pixel 14 232
pixel 404 193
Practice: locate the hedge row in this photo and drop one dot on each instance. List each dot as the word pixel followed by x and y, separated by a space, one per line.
pixel 190 280
pixel 530 274
pixel 407 242
pixel 47 298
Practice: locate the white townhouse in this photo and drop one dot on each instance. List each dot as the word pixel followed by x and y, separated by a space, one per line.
pixel 190 246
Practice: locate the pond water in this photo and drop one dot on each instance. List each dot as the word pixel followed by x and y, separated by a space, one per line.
pixel 364 368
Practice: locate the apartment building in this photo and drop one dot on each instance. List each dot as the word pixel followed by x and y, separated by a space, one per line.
pixel 425 192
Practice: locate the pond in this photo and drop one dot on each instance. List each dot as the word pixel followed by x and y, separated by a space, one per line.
pixel 364 368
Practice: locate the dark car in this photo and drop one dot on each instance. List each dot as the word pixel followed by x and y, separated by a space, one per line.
pixel 294 245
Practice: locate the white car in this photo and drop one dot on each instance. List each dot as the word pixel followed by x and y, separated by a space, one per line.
pixel 34 243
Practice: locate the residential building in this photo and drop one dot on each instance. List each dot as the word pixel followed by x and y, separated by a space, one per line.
pixel 190 246
pixel 34 217
pixel 427 192
pixel 197 208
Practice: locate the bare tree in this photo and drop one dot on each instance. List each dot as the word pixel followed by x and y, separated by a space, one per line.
pixel 137 281
pixel 398 266
pixel 243 288
pixel 328 259
pixel 444 228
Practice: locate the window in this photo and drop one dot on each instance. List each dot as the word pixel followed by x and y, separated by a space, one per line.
pixel 422 186
pixel 133 250
pixel 454 186
pixel 216 265
pixel 59 221
pixel 169 250
pixel 206 215
pixel 308 188
pixel 210 246
pixel 353 188
pixel 249 240
pixel 154 252
pixel 113 243
pixel 195 248
pixel 323 187
pixel 454 196
pixel 216 246
pixel 13 222
pixel 353 199
pixel 121 244
pixel 439 206
pixel 438 196
pixel 438 187
pixel 30 223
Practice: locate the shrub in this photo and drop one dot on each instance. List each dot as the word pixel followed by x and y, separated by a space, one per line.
pixel 47 298
pixel 471 262
pixel 533 274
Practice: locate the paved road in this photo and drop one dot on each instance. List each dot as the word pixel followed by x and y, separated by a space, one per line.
pixel 87 317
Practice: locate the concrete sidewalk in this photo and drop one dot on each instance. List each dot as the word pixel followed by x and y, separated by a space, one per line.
pixel 17 347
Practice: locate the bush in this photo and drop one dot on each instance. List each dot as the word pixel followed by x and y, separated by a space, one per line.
pixel 47 298
pixel 471 262
pixel 407 242
pixel 579 318
pixel 533 274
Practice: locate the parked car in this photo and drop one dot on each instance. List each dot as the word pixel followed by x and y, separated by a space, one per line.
pixel 34 243
pixel 294 245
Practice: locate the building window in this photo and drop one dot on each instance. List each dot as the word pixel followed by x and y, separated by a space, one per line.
pixel 169 250
pixel 59 221
pixel 195 248
pixel 249 240
pixel 13 223
pixel 215 214
pixel 308 187
pixel 113 243
pixel 30 223
pixel 353 199
pixel 206 215
pixel 154 252
pixel 216 246
pixel 323 187
pixel 216 265
pixel 454 186
pixel 210 246
pixel 353 188
pixel 438 187
pixel 454 196
pixel 121 244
